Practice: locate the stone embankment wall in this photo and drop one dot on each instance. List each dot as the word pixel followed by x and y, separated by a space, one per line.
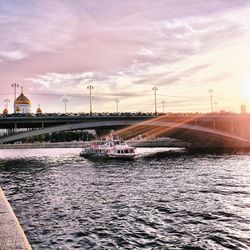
pixel 163 142
pixel 159 143
pixel 12 236
pixel 45 145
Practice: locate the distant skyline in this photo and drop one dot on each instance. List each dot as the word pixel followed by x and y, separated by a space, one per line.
pixel 55 48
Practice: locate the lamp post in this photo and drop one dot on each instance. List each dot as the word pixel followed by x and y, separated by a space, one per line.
pixel 65 100
pixel 211 99
pixel 215 106
pixel 163 106
pixel 117 102
pixel 15 86
pixel 155 89
pixel 90 87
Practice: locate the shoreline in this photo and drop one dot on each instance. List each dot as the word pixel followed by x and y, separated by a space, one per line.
pixel 12 235
pixel 44 145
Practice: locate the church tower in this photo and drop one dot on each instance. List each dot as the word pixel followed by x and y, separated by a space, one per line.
pixel 23 104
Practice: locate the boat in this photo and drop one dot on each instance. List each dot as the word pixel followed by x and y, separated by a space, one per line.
pixel 110 147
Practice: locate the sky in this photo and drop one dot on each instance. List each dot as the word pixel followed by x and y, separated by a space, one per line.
pixel 56 48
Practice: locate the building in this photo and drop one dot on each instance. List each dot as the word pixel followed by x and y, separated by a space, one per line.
pixel 243 109
pixel 5 111
pixel 39 110
pixel 23 104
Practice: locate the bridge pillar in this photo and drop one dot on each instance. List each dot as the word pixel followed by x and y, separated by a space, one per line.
pixel 214 124
pixel 232 126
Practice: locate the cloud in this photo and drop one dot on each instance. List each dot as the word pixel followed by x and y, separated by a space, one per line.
pixel 38 28
pixel 109 84
pixel 123 48
pixel 57 82
pixel 146 52
pixel 13 55
pixel 219 77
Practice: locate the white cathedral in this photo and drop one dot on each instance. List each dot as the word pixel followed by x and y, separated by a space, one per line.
pixel 23 104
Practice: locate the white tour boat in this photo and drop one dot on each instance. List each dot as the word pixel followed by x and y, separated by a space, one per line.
pixel 109 148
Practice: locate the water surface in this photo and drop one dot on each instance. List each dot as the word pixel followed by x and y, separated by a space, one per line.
pixel 172 200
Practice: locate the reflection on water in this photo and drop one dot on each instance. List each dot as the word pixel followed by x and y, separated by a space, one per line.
pixel 171 200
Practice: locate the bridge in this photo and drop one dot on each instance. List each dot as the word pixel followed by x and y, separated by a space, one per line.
pixel 198 130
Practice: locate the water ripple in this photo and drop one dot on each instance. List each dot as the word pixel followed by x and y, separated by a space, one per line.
pixel 160 201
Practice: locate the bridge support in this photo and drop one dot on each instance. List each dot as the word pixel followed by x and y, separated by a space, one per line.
pixel 232 126
pixel 214 124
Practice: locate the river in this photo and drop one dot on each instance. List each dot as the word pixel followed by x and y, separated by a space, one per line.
pixel 161 200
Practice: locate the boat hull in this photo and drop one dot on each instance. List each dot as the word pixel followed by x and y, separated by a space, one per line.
pixel 107 156
pixel 102 156
pixel 109 149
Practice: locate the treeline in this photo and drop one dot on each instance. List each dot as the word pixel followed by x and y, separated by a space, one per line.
pixel 66 136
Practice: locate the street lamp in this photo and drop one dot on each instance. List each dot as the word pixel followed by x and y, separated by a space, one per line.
pixel 117 102
pixel 163 106
pixel 215 106
pixel 211 99
pixel 155 89
pixel 15 86
pixel 65 100
pixel 90 87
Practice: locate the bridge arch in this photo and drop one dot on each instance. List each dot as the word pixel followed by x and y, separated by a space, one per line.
pixel 196 135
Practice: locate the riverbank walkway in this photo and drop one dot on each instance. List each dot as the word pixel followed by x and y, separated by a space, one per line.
pixel 12 236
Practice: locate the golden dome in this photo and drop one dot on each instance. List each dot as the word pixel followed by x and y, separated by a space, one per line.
pixel 22 99
pixel 39 111
pixel 5 111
